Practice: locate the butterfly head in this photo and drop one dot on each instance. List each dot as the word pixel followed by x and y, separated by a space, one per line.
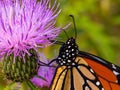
pixel 68 52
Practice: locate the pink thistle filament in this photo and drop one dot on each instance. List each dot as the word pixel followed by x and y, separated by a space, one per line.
pixel 26 25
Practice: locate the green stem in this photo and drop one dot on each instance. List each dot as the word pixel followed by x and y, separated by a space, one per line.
pixel 24 86
pixel 30 84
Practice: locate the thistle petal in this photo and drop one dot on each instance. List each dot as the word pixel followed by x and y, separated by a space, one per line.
pixel 27 25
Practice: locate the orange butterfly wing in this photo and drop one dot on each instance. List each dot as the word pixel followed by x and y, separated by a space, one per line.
pixel 108 73
pixel 105 75
pixel 75 77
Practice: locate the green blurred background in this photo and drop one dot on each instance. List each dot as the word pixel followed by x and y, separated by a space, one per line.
pixel 98 28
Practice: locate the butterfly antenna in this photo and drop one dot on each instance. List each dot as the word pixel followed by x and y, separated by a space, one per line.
pixel 56 42
pixel 66 33
pixel 74 25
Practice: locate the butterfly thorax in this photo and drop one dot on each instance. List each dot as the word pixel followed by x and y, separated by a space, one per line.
pixel 68 53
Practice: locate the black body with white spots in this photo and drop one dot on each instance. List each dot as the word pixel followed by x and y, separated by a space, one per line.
pixel 68 53
pixel 71 61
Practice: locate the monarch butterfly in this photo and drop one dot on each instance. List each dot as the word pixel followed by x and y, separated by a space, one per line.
pixel 78 70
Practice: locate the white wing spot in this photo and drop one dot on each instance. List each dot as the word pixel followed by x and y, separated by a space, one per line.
pixel 102 88
pixel 97 83
pixel 87 88
pixel 91 70
pixel 78 66
pixel 113 66
pixel 116 73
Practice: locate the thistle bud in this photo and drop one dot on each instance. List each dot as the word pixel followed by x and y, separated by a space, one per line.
pixel 19 70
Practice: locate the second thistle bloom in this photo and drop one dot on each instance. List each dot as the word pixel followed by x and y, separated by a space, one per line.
pixel 45 72
pixel 25 26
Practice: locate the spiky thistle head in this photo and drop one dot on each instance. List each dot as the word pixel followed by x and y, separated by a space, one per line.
pixel 26 24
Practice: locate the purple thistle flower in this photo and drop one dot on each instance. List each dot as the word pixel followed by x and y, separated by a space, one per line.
pixel 26 25
pixel 45 72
